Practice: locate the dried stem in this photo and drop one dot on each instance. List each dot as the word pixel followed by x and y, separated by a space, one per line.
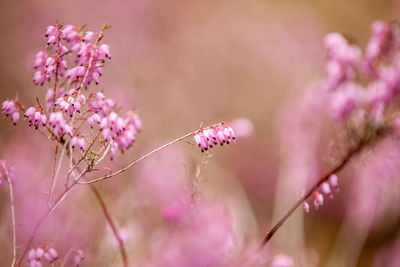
pixel 111 224
pixel 355 150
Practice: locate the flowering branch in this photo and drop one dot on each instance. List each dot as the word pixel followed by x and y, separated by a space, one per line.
pixel 205 138
pixel 368 139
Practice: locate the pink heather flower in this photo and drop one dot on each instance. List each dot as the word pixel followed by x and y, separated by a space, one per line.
pixel 104 51
pixel 71 102
pixel 343 58
pixel 39 253
pixel 333 180
pixel 318 200
pixel 39 77
pixel 100 105
pixel 345 99
pixel 36 117
pixel 339 49
pixel 79 256
pixel 53 253
pixel 326 189
pixel 40 60
pixel 122 130
pixel 82 143
pixel 68 39
pixel 206 138
pixel 384 41
pixel 11 108
pixel 71 34
pixel 57 122
pixel 50 255
pixel 306 207
pixel 88 36
pixel 32 254
pixel 51 31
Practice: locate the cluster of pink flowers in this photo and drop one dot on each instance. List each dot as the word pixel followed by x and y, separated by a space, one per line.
pixel 11 108
pixel 219 134
pixel 80 141
pixel 71 102
pixel 327 188
pixel 369 80
pixel 122 130
pixel 119 130
pixel 36 255
pixel 89 59
pixel 36 117
pixel 57 122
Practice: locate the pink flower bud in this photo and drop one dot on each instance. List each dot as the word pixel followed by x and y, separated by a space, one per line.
pixel 325 188
pixel 306 207
pixel 88 36
pixel 318 200
pixel 333 180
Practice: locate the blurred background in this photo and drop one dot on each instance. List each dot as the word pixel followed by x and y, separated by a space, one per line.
pixel 183 63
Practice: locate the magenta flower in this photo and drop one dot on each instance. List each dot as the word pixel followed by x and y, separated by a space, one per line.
pixel 11 108
pixel 36 117
pixel 57 122
pixel 318 200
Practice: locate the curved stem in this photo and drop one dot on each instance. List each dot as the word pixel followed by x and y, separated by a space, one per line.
pixel 56 171
pixel 136 161
pixel 111 224
pixel 12 207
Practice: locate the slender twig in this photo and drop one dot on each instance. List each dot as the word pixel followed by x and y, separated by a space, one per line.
pixel 111 224
pixel 56 171
pixel 198 174
pixel 12 207
pixel 136 161
pixel 355 150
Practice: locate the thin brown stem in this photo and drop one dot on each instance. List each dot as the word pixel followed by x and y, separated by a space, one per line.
pixel 12 208
pixel 111 224
pixel 355 150
pixel 136 161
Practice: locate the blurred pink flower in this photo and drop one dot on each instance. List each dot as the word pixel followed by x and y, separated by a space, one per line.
pixel 282 260
pixel 243 127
